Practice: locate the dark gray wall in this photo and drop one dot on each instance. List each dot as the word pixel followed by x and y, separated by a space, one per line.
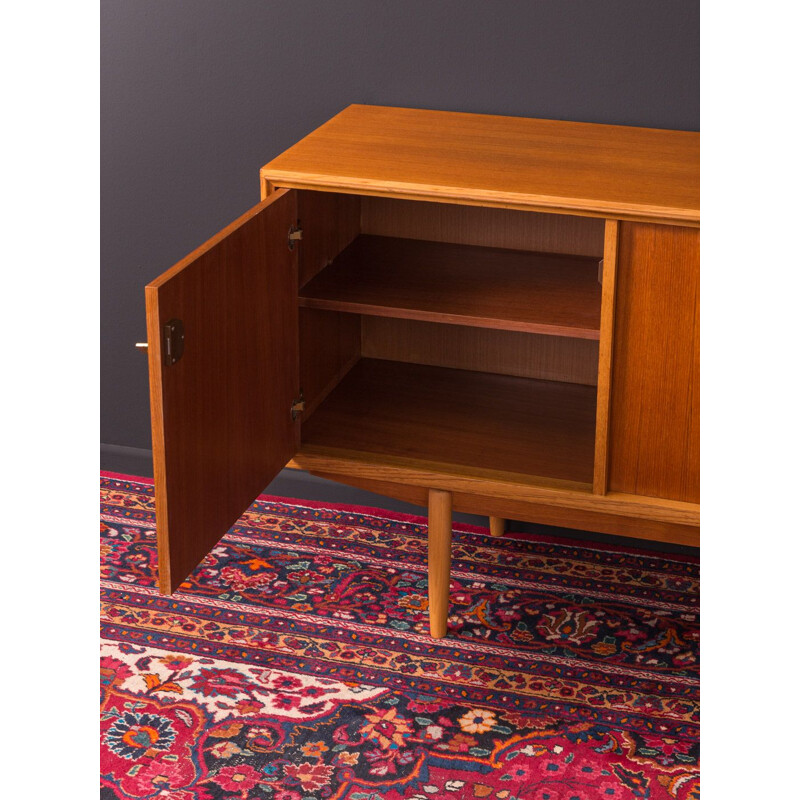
pixel 196 96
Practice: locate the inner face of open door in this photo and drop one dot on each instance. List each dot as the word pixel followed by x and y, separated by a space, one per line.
pixel 221 411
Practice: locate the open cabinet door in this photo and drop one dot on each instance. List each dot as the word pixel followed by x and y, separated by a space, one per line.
pixel 223 356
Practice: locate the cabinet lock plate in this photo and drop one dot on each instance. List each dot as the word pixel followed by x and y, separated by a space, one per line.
pixel 173 341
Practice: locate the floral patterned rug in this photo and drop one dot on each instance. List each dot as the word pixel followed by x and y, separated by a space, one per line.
pixel 295 663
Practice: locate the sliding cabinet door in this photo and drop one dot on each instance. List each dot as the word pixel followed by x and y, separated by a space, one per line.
pixel 654 427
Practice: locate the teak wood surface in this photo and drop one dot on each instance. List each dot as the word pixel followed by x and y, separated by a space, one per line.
pixel 654 425
pixel 440 524
pixel 220 415
pixel 486 287
pixel 526 355
pixel 329 223
pixel 330 344
pixel 480 482
pixel 527 511
pixel 513 162
pixel 454 416
pixel 482 226
pixel 420 332
pixel 605 351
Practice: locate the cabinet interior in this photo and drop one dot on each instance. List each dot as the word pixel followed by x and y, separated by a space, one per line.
pixel 450 334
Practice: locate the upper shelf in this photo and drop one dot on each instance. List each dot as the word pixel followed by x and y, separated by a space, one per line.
pixel 512 162
pixel 487 287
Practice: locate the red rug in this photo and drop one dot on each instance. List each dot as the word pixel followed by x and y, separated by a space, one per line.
pixel 295 664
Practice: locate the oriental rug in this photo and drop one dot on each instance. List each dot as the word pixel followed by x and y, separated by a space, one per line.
pixel 294 664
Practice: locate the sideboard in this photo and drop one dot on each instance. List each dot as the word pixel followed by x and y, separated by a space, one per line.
pixel 488 314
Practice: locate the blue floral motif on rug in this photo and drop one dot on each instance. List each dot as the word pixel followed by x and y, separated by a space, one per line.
pixel 295 663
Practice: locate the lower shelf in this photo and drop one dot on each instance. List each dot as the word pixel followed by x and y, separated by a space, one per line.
pixel 470 419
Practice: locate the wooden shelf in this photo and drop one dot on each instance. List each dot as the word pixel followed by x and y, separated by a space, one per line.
pixel 451 416
pixel 486 287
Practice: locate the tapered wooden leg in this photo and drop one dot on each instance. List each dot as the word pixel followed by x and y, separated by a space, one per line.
pixel 497 526
pixel 440 523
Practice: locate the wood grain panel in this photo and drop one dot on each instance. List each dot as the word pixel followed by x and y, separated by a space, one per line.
pixel 542 514
pixel 492 483
pixel 539 513
pixel 220 415
pixel 459 417
pixel 485 227
pixel 408 493
pixel 329 222
pixel 513 162
pixel 487 287
pixel 525 355
pixel 609 274
pixel 330 344
pixel 654 441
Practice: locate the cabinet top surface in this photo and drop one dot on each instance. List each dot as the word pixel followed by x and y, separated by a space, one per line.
pixel 577 167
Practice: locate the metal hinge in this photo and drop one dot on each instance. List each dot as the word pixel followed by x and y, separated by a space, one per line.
pixel 295 234
pixel 173 341
pixel 298 406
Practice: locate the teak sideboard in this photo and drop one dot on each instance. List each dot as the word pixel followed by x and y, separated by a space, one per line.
pixel 487 314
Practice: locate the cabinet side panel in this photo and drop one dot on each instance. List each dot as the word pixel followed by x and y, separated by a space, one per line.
pixel 329 222
pixel 654 436
pixel 484 227
pixel 330 344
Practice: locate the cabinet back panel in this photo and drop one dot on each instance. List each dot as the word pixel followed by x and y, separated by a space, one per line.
pixel 330 343
pixel 524 355
pixel 487 227
pixel 654 431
